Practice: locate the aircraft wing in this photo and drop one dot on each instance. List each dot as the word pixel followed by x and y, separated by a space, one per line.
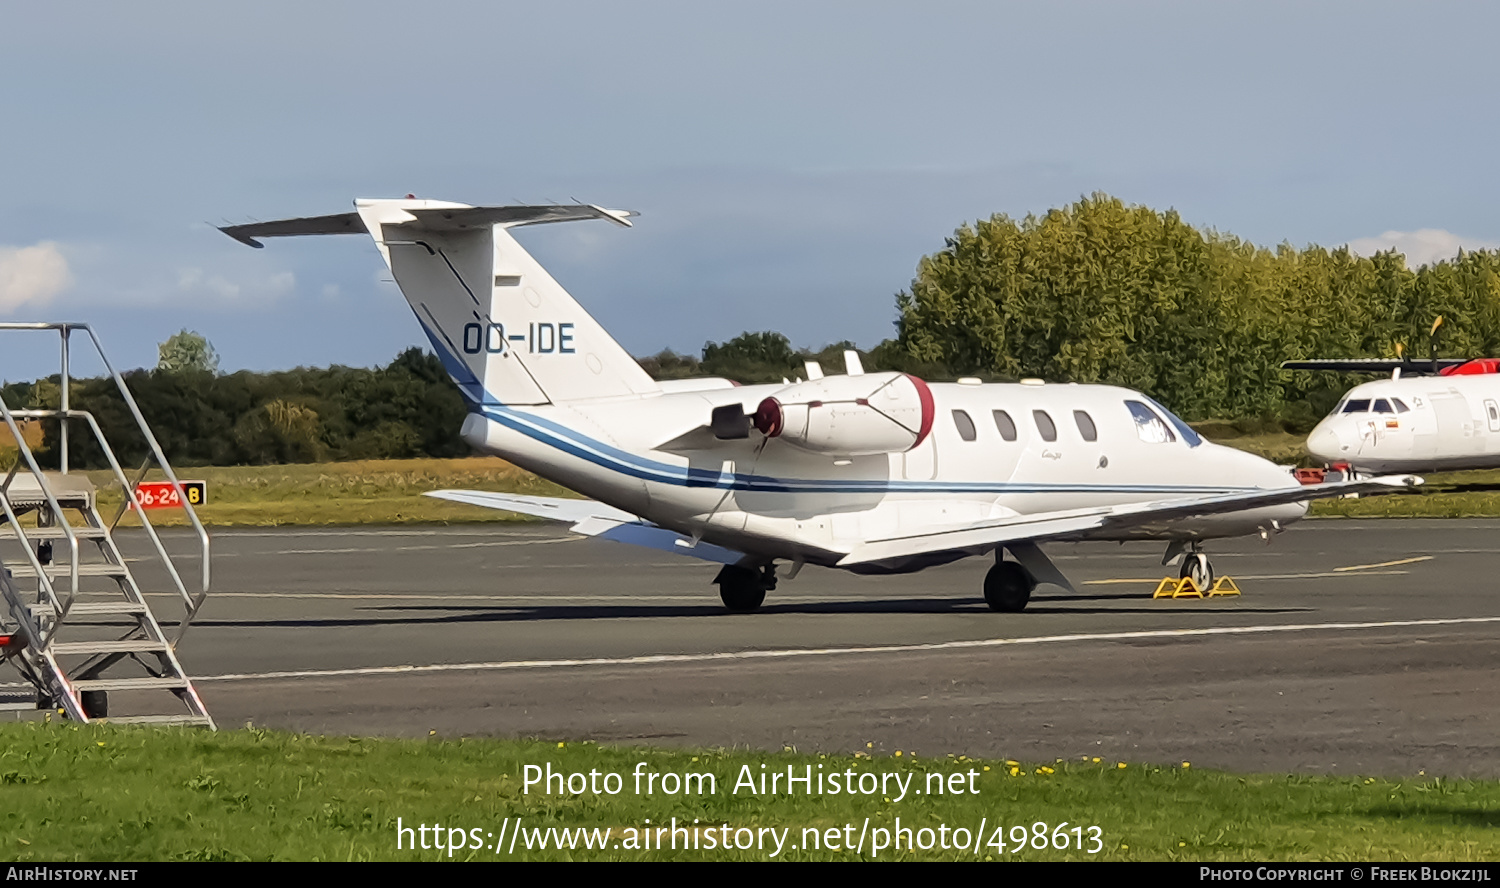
pixel 595 519
pixel 1078 523
pixel 1375 365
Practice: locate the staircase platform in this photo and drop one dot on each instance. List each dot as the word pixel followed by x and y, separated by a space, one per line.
pixel 71 491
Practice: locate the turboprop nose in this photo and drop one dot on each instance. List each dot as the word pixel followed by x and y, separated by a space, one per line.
pixel 1326 444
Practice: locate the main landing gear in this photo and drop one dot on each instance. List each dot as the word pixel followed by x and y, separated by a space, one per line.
pixel 1007 587
pixel 743 589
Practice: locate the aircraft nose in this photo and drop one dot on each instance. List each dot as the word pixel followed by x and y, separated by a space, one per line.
pixel 1326 444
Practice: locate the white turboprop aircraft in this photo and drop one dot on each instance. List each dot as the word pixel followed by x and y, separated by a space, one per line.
pixel 1436 416
pixel 869 472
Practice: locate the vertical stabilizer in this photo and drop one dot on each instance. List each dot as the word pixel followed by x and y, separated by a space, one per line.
pixel 506 331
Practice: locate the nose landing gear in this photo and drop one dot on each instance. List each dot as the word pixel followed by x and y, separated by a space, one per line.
pixel 1199 569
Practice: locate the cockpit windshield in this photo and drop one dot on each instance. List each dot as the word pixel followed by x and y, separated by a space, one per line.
pixel 1356 405
pixel 1148 425
pixel 1192 438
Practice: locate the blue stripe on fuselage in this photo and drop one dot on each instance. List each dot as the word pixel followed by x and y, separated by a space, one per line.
pixel 573 443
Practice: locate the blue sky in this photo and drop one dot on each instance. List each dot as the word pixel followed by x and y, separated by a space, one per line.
pixel 792 161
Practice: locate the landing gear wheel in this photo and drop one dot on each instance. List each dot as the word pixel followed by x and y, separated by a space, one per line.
pixel 1007 587
pixel 1198 567
pixel 742 589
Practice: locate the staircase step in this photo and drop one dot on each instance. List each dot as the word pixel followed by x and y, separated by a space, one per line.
pixel 130 646
pixel 129 684
pixel 53 533
pixel 93 608
pixel 17 701
pixel 157 720
pixel 61 570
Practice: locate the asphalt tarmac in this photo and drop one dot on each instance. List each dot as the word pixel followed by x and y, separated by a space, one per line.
pixel 1357 647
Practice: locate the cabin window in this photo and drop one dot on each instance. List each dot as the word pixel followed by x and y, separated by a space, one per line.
pixel 1356 405
pixel 1045 425
pixel 1005 425
pixel 1382 406
pixel 1400 407
pixel 1150 427
pixel 1085 426
pixel 965 425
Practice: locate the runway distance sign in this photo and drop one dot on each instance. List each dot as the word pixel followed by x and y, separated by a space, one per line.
pixel 162 495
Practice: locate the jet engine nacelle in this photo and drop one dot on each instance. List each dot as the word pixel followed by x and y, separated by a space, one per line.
pixel 850 415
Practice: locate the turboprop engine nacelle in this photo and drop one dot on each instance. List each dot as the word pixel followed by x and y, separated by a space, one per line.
pixel 850 415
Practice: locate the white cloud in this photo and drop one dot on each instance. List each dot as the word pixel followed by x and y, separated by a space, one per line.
pixel 1422 247
pixel 194 282
pixel 32 275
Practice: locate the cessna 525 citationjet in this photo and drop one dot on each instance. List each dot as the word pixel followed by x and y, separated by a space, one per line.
pixel 869 472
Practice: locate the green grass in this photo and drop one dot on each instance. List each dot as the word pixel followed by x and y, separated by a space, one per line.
pixel 97 793
pixel 360 492
pixel 1449 495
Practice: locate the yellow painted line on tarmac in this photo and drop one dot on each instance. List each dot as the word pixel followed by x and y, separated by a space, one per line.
pixel 1325 576
pixel 1367 569
pixel 1385 563
pixel 1302 576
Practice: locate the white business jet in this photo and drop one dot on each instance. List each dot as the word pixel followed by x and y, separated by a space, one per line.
pixel 1437 416
pixel 869 472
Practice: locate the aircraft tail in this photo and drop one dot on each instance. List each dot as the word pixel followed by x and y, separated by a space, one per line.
pixel 506 331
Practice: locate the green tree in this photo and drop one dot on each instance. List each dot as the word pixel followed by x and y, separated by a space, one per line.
pixel 187 350
pixel 752 358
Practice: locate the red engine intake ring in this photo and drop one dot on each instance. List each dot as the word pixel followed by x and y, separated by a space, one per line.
pixel 768 419
pixel 929 411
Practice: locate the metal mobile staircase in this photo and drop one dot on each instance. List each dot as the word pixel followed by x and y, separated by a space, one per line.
pixel 73 619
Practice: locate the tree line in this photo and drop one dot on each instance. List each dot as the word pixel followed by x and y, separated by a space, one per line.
pixel 407 408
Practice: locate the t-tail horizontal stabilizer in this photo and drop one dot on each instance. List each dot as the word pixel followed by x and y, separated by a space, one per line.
pixel 595 519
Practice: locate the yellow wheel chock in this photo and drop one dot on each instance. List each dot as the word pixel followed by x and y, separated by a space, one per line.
pixel 1225 586
pixel 1171 587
